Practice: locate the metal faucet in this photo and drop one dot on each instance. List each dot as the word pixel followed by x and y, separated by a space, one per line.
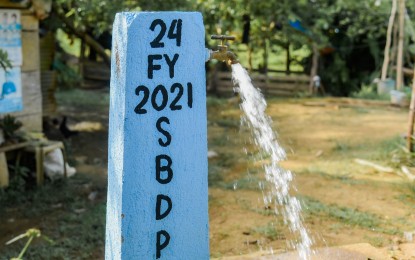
pixel 222 54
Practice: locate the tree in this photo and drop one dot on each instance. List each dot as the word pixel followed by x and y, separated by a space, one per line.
pixel 88 19
pixel 350 35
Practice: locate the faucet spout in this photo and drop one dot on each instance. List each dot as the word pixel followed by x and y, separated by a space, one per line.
pixel 225 56
pixel 222 54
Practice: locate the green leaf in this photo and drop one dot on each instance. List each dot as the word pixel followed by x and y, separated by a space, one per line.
pixel 411 48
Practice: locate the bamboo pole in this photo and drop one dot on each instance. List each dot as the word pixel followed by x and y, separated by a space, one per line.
pixel 399 62
pixel 411 118
pixel 388 41
pixel 288 59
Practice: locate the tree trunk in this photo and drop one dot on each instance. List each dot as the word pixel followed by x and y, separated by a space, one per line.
pixel 399 62
pixel 388 41
pixel 314 68
pixel 288 60
pixel 85 38
pixel 265 56
pixel 250 57
pixel 394 45
pixel 82 59
pixel 411 118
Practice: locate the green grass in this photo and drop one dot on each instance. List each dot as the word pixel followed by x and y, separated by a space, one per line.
pixel 344 214
pixel 411 190
pixel 269 231
pixel 78 236
pixel 360 110
pixel 248 182
pixel 221 141
pixel 387 147
pixel 344 178
pixel 393 152
pixel 341 147
pixel 376 240
pixel 53 209
pixel 369 92
pixel 78 97
pixel 408 193
pixel 228 123
pixel 215 175
pixel 216 179
pixel 349 216
pixel 390 152
pixel 212 101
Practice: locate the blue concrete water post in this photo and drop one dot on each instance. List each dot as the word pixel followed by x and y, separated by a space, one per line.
pixel 157 165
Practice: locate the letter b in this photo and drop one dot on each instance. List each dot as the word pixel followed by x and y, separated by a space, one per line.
pixel 164 168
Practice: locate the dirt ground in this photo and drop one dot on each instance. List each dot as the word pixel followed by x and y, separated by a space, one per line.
pixel 343 201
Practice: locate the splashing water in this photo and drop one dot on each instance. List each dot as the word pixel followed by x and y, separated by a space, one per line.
pixel 253 105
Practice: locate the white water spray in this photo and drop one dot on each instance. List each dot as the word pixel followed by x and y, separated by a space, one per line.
pixel 253 105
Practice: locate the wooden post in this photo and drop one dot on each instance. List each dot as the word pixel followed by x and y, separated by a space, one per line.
pixel 4 171
pixel 388 41
pixel 157 160
pixel 314 68
pixel 40 177
pixel 411 118
pixel 399 62
pixel 288 60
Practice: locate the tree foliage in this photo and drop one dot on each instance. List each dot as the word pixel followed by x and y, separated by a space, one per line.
pixel 98 15
pixel 350 34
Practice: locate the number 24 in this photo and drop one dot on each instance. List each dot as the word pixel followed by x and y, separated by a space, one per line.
pixel 175 32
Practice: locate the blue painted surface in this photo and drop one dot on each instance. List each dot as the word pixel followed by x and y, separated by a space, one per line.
pixel 135 140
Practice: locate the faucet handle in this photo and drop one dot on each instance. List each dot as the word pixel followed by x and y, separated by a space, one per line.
pixel 222 38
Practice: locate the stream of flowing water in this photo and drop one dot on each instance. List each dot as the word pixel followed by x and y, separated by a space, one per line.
pixel 253 106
